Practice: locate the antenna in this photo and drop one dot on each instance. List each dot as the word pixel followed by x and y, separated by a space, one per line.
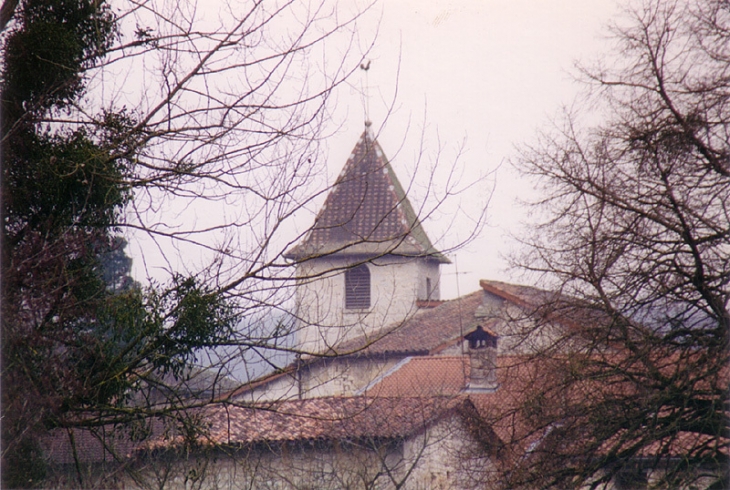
pixel 458 295
pixel 461 325
pixel 365 66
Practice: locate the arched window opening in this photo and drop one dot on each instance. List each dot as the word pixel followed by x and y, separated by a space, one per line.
pixel 357 287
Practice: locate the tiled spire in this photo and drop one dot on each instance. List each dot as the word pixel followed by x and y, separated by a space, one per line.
pixel 367 212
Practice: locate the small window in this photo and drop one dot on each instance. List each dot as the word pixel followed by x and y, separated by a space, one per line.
pixel 428 288
pixel 357 287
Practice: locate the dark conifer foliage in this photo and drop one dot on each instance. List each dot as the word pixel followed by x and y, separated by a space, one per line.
pixel 78 337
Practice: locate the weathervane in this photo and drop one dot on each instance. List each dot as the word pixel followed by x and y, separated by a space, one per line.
pixel 365 66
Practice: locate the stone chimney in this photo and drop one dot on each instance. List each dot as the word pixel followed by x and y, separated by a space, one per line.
pixel 483 360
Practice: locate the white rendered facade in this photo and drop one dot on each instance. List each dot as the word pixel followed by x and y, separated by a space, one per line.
pixel 396 284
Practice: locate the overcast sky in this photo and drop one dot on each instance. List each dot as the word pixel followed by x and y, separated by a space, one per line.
pixel 485 73
pixel 469 78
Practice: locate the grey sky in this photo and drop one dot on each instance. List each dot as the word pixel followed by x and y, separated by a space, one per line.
pixel 470 78
pixel 487 73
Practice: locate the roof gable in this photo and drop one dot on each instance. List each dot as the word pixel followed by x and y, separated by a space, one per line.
pixel 367 212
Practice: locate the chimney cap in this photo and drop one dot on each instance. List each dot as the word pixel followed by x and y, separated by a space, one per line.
pixel 481 338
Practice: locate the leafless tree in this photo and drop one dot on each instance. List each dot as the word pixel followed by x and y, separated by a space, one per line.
pixel 635 237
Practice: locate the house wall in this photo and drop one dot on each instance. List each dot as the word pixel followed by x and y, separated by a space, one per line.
pixel 439 457
pixel 445 456
pixel 301 465
pixel 285 387
pixel 324 322
pixel 429 273
pixel 332 467
pixel 343 376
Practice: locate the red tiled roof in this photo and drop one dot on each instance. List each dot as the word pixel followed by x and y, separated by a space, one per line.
pixel 388 411
pixel 425 376
pixel 333 418
pixel 426 331
pixel 433 376
pixel 518 294
pixel 366 212
pixel 430 330
pixel 433 329
pixel 325 419
pixel 553 306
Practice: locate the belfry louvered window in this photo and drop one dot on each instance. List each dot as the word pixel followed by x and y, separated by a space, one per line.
pixel 357 287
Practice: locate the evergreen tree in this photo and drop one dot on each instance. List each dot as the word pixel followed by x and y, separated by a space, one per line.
pixel 77 339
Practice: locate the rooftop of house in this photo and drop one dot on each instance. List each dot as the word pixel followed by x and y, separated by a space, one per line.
pixel 331 418
pixel 435 329
pixel 367 213
pixel 434 377
pixel 426 331
pixel 413 396
pixel 423 376
pixel 417 393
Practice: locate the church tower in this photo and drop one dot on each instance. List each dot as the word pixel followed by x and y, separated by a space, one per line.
pixel 367 263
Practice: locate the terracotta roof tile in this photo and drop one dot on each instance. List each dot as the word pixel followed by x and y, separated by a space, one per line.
pixel 518 294
pixel 366 212
pixel 427 331
pixel 433 329
pixel 333 418
pixel 425 376
pixel 554 306
pixel 431 376
pixel 407 401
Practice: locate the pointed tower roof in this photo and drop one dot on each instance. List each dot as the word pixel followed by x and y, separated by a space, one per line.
pixel 366 212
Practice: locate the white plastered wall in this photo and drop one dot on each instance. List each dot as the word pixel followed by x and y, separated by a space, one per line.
pixel 343 377
pixel 324 322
